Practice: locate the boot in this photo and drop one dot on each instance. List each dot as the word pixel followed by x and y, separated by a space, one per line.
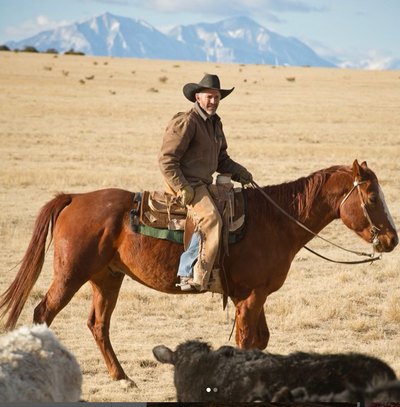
pixel 184 283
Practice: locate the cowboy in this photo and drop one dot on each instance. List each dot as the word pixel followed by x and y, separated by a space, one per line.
pixel 193 149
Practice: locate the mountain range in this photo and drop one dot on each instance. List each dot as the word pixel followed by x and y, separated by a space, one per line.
pixel 236 40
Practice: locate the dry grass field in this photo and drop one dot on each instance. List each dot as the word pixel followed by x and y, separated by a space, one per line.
pixel 79 123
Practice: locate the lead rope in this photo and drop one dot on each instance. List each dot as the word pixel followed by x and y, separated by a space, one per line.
pixel 370 255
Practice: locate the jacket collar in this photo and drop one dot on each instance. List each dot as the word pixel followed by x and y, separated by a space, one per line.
pixel 204 115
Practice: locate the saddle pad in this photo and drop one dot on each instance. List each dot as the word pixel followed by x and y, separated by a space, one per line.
pixel 173 235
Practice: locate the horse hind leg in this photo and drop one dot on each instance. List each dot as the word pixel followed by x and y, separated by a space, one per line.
pixel 57 297
pixel 106 286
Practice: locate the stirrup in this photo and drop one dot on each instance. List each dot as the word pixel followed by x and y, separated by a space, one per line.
pixel 185 283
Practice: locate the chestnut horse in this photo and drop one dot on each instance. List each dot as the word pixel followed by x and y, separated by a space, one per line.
pixel 93 241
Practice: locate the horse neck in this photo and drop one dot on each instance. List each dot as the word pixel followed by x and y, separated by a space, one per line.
pixel 313 201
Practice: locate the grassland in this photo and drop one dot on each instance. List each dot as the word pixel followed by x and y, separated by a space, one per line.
pixel 76 124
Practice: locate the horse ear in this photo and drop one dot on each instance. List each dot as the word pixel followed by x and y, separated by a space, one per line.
pixel 358 170
pixel 364 165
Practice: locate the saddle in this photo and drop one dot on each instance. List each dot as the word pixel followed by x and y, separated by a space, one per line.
pixel 161 214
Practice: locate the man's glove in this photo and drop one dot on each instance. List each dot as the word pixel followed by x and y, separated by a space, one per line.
pixel 244 176
pixel 187 195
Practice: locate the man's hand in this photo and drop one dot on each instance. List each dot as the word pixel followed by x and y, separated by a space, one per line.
pixel 187 195
pixel 244 176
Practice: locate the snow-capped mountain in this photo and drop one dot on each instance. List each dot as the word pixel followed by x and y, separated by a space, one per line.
pixel 242 40
pixel 239 40
pixel 109 35
pixel 377 63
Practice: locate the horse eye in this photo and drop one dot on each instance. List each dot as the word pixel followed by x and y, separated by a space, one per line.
pixel 372 199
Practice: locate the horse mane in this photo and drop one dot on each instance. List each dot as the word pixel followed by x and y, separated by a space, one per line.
pixel 295 197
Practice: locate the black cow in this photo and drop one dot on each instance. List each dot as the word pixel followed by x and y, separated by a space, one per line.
pixel 231 374
pixel 380 392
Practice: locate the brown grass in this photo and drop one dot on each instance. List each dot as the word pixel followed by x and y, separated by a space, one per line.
pixel 57 135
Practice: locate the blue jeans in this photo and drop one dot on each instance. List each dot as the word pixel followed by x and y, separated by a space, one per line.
pixel 189 257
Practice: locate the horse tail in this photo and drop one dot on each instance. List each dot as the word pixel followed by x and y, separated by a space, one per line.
pixel 14 298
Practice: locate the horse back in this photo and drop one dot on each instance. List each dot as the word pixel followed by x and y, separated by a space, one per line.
pixel 93 221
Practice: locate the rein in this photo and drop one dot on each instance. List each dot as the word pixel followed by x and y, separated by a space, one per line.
pixel 374 229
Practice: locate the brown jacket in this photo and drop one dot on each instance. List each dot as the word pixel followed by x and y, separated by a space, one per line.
pixel 193 149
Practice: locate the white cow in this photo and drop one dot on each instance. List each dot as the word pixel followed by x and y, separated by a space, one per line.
pixel 36 367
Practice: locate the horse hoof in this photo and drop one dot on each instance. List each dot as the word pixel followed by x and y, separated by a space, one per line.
pixel 127 384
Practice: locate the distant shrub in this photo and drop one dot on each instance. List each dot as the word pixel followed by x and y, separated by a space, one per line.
pixel 4 48
pixel 51 51
pixel 29 48
pixel 72 52
pixel 163 79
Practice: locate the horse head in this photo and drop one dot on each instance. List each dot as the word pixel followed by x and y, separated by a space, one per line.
pixel 364 210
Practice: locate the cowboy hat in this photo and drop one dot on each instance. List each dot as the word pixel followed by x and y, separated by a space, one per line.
pixel 208 82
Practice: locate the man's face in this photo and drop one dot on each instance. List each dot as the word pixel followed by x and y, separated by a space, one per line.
pixel 208 99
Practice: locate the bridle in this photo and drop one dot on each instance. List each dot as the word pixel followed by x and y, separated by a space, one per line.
pixel 374 229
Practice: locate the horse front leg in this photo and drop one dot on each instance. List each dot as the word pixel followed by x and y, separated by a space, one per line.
pixel 261 336
pixel 106 286
pixel 251 326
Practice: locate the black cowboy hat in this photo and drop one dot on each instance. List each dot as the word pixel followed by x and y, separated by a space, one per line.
pixel 208 82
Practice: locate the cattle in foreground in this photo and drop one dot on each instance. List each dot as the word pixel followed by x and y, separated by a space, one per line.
pixel 235 375
pixel 36 367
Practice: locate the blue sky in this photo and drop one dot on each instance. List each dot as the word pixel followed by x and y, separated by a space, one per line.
pixel 349 28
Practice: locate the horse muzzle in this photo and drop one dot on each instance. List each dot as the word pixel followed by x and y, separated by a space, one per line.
pixel 385 243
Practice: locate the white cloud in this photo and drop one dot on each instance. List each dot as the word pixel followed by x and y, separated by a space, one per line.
pixel 32 27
